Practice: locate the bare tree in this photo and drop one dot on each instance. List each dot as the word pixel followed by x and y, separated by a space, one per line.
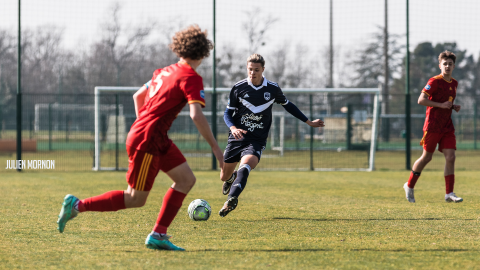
pixel 369 61
pixel 7 75
pixel 256 27
pixel 117 49
pixel 278 64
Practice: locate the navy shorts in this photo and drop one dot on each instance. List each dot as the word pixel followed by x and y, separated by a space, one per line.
pixel 237 149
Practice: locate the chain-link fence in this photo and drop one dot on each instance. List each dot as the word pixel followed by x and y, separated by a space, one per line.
pixel 69 48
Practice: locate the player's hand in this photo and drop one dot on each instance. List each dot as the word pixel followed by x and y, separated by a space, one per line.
pixel 237 133
pixel 456 107
pixel 446 105
pixel 315 123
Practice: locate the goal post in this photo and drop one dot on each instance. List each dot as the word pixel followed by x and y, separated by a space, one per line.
pixel 374 125
pixel 287 134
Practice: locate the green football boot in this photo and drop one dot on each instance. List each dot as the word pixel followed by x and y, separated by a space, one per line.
pixel 154 241
pixel 68 212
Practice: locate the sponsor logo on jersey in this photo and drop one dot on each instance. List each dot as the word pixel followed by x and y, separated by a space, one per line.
pixel 202 93
pixel 266 95
pixel 428 87
pixel 450 88
pixel 247 121
pixel 246 95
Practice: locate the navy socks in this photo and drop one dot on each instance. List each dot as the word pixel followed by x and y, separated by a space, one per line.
pixel 239 184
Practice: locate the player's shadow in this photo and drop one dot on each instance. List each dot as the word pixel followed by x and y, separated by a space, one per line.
pixel 265 250
pixel 365 219
pixel 330 250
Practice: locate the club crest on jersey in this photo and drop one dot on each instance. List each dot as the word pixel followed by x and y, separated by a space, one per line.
pixel 266 95
pixel 428 87
pixel 202 93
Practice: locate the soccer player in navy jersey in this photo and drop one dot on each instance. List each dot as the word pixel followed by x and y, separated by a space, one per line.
pixel 149 149
pixel 249 117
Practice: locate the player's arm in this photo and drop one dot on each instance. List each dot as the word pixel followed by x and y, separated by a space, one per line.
pixel 204 128
pixel 424 100
pixel 139 97
pixel 228 118
pixel 228 115
pixel 295 111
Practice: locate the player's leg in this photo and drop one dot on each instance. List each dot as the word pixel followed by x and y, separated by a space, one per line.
pixel 107 202
pixel 231 157
pixel 142 170
pixel 141 174
pixel 248 163
pixel 417 168
pixel 183 180
pixel 429 142
pixel 176 167
pixel 228 176
pixel 448 146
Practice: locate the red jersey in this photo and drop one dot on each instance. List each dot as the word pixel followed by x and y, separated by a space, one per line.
pixel 171 88
pixel 438 89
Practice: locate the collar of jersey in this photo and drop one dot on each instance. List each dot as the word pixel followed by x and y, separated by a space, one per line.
pixel 257 88
pixel 446 80
pixel 188 65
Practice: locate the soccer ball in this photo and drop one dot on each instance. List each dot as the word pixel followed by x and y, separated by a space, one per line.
pixel 199 210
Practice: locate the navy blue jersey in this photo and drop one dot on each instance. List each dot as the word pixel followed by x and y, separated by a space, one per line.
pixel 253 108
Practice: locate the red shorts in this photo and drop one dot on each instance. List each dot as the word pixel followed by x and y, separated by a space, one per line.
pixel 144 167
pixel 444 140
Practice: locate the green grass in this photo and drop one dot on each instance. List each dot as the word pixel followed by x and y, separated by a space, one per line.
pixel 285 220
pixel 292 160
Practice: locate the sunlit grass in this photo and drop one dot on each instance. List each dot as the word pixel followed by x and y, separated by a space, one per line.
pixel 285 220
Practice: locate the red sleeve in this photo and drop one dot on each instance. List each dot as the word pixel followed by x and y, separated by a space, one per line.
pixel 193 89
pixel 431 87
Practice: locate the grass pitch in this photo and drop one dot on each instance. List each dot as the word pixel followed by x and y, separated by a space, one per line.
pixel 285 220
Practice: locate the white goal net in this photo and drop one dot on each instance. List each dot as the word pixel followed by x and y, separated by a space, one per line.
pixel 347 142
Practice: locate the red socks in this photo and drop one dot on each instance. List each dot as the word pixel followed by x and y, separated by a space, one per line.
pixel 107 202
pixel 171 204
pixel 413 179
pixel 449 183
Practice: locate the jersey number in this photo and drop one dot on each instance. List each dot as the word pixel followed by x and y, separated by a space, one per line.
pixel 158 80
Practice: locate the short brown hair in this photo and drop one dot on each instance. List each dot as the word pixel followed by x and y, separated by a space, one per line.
pixel 191 43
pixel 256 58
pixel 447 55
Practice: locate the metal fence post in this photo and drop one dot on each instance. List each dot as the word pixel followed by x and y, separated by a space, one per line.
pixel 475 116
pixel 214 87
pixel 67 126
pixel 49 126
pixel 116 132
pixel 408 126
pixel 19 87
pixel 311 133
pixel 30 125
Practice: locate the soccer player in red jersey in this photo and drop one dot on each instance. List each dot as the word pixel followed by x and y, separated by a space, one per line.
pixel 149 149
pixel 438 96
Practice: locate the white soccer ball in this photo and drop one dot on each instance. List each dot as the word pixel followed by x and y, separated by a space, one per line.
pixel 199 210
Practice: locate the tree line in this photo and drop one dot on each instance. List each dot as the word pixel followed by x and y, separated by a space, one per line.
pixel 126 55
